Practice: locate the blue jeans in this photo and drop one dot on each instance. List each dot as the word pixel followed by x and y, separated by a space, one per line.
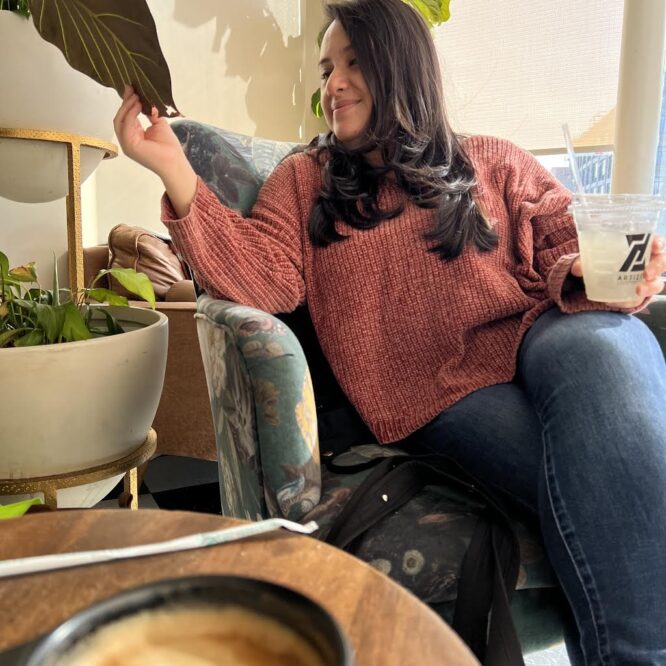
pixel 579 438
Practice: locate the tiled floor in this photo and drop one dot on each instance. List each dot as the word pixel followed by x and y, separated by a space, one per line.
pixel 188 484
pixel 173 482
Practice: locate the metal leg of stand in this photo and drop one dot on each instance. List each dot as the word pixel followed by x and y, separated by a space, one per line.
pixel 131 488
pixel 51 497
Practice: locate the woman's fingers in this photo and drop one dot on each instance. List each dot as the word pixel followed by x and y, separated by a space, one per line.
pixel 650 287
pixel 577 268
pixel 128 110
pixel 154 116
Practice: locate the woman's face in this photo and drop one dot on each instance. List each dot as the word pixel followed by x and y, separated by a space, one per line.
pixel 345 97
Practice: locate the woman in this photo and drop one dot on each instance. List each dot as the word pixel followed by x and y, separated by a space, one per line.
pixel 444 284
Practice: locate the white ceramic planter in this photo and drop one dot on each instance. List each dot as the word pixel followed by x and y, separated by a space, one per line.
pixel 40 90
pixel 72 406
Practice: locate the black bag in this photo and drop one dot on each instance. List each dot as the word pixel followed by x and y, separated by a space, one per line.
pixel 489 570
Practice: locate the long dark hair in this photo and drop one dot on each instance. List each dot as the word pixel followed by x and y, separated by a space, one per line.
pixel 409 128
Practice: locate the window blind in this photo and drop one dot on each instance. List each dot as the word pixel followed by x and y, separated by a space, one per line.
pixel 519 69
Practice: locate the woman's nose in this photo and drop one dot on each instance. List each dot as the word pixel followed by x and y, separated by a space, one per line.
pixel 337 81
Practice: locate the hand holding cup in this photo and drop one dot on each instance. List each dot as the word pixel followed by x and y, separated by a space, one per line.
pixel 621 257
pixel 652 283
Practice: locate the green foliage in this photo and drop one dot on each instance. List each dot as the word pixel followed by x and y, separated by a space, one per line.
pixel 433 11
pixel 18 6
pixel 30 315
pixel 315 103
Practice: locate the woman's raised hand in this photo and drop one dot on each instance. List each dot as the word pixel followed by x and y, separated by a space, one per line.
pixel 157 148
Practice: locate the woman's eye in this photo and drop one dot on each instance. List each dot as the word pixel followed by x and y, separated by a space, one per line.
pixel 353 62
pixel 325 75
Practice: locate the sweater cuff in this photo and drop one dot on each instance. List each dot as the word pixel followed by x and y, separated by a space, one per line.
pixel 568 291
pixel 169 215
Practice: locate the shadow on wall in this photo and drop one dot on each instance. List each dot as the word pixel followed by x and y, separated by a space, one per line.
pixel 256 50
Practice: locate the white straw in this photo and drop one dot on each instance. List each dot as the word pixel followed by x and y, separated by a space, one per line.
pixel 25 565
pixel 572 159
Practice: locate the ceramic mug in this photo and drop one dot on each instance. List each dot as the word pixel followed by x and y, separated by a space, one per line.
pixel 289 608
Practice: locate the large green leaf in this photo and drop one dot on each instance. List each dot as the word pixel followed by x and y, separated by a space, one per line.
pixel 73 328
pixel 112 41
pixel 31 339
pixel 106 296
pixel 135 283
pixel 51 320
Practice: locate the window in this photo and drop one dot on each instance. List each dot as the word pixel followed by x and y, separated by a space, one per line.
pixel 660 171
pixel 518 70
pixel 594 169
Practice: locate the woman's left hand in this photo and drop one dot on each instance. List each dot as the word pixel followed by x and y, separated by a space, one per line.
pixel 652 283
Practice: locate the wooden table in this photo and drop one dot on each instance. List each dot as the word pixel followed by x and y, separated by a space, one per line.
pixel 384 623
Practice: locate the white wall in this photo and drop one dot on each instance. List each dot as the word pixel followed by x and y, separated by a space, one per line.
pixel 234 64
pixel 247 65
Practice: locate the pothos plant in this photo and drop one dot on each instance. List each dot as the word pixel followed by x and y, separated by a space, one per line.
pixel 31 315
pixel 433 11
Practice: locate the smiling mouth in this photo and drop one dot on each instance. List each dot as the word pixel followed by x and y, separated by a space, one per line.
pixel 344 107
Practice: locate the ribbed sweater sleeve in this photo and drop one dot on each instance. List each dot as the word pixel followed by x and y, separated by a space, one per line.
pixel 538 204
pixel 256 261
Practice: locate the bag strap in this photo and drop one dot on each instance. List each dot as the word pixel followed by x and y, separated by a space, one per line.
pixel 482 615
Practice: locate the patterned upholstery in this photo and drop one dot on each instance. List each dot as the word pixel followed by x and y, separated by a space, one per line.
pixel 265 419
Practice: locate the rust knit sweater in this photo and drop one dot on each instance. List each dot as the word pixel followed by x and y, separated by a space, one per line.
pixel 406 334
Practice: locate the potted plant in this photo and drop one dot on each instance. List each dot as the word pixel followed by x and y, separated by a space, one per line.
pixel 82 381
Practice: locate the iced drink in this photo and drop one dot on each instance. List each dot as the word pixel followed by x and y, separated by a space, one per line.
pixel 615 239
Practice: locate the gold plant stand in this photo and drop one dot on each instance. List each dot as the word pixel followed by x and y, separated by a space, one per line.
pixel 73 143
pixel 49 485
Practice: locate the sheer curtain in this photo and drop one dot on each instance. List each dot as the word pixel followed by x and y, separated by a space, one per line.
pixel 519 70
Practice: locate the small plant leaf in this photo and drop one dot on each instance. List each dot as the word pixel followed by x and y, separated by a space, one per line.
pixel 135 283
pixel 106 296
pixel 112 325
pixel 40 295
pixel 73 327
pixel 4 309
pixel 17 6
pixel 315 103
pixel 114 43
pixel 31 339
pixel 51 320
pixel 55 294
pixel 7 336
pixel 433 11
pixel 4 265
pixel 26 273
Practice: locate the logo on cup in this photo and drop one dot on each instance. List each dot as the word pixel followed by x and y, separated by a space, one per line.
pixel 638 247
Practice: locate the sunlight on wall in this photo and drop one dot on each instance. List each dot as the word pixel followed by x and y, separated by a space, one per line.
pixel 233 64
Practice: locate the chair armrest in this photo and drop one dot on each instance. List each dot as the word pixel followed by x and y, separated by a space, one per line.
pixel 182 291
pixel 263 411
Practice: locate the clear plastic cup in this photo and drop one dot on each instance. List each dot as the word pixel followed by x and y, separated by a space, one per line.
pixel 615 241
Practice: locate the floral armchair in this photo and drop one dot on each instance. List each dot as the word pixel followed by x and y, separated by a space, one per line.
pixel 266 412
